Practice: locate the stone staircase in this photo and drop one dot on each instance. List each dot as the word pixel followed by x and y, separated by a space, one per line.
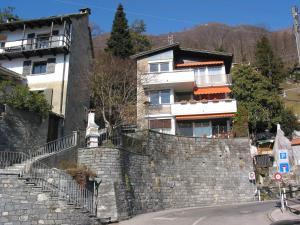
pixel 30 189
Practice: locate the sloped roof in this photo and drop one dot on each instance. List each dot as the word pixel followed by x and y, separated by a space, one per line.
pixel 7 74
pixel 177 46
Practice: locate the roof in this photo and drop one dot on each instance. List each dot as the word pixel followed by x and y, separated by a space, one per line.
pixel 295 141
pixel 208 63
pixel 10 75
pixel 177 45
pixel 19 24
pixel 211 90
pixel 206 116
pixel 159 49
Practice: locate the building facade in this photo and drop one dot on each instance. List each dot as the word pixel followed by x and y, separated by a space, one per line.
pixel 185 91
pixel 54 54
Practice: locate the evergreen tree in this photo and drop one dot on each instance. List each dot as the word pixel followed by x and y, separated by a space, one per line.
pixel 7 13
pixel 265 109
pixel 267 63
pixel 140 41
pixel 120 43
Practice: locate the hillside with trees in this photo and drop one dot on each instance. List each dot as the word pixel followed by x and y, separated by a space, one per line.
pixel 239 40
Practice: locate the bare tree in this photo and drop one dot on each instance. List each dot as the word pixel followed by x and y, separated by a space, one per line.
pixel 114 90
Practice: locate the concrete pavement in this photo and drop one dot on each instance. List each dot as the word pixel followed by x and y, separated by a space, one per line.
pixel 246 214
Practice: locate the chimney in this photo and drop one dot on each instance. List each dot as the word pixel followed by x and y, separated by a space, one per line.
pixel 85 10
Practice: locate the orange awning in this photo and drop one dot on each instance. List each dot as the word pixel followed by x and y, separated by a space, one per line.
pixel 208 63
pixel 211 90
pixel 205 116
pixel 295 141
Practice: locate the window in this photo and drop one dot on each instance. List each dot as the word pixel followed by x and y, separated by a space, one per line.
pixel 160 124
pixel 159 67
pixel 185 128
pixel 215 70
pixel 39 67
pixel 153 67
pixel 160 97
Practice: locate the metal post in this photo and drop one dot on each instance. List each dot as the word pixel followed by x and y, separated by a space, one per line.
pixel 51 33
pixel 258 193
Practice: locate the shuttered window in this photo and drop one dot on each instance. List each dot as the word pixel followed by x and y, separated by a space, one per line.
pixel 158 124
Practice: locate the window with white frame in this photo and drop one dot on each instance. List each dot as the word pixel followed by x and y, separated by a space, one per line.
pixel 159 67
pixel 160 97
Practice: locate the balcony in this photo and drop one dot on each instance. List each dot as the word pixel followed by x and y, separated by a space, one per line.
pixel 212 80
pixel 35 47
pixel 183 79
pixel 207 107
pixel 169 79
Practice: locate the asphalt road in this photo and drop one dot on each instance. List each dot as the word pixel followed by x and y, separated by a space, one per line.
pixel 242 214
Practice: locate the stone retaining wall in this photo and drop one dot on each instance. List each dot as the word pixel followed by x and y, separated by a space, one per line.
pixel 172 172
pixel 22 204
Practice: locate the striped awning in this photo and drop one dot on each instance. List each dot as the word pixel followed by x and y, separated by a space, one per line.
pixel 207 63
pixel 205 116
pixel 211 90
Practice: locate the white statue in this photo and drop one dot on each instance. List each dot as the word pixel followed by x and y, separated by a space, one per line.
pixel 92 133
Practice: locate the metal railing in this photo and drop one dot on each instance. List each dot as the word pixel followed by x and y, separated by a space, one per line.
pixel 56 181
pixel 8 159
pixel 61 185
pixel 57 145
pixel 35 43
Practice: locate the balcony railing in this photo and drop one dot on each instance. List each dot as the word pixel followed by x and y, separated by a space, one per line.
pixel 212 80
pixel 32 44
pixel 204 107
pixel 185 77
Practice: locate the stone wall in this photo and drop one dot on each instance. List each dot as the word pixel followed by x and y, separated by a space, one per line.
pixel 22 130
pixel 23 204
pixel 170 172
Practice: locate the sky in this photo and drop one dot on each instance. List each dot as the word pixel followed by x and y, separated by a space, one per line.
pixel 165 16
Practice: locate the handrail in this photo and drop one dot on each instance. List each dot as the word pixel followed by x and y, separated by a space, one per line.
pixel 58 182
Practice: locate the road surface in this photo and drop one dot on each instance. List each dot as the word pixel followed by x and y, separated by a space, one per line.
pixel 245 214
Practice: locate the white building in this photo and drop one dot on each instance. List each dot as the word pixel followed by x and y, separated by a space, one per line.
pixel 54 54
pixel 185 91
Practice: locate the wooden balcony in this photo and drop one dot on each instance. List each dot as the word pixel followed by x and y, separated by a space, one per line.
pixel 35 47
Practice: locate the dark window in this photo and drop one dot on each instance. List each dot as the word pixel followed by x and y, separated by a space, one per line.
pixel 55 32
pixel 185 128
pixel 39 67
pixel 160 124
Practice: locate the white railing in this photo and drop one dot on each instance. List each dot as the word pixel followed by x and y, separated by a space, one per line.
pixel 212 80
pixel 207 107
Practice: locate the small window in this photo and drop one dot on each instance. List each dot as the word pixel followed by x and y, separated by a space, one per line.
pixel 154 98
pixel 55 32
pixel 164 66
pixel 160 97
pixel 159 67
pixel 39 67
pixel 153 67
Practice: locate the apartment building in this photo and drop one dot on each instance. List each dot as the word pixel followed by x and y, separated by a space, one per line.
pixel 54 54
pixel 185 91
